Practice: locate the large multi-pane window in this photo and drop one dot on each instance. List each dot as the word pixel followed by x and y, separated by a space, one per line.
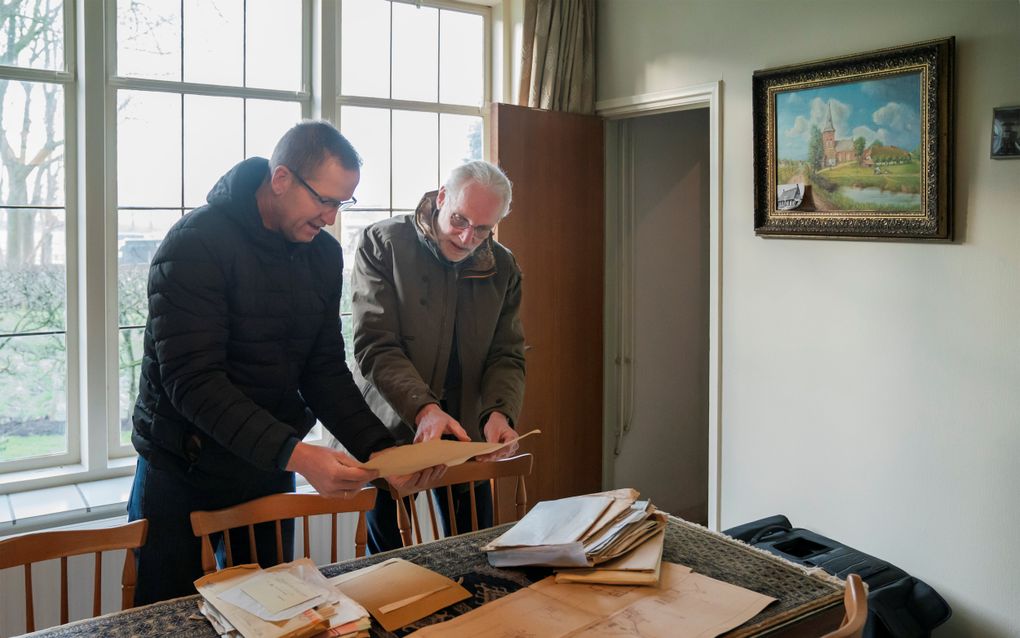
pixel 412 86
pixel 174 93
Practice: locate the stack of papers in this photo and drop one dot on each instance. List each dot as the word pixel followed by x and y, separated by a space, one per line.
pixel 292 600
pixel 397 592
pixel 583 531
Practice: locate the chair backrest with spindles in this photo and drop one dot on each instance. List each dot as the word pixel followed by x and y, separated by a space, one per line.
pixel 470 472
pixel 277 508
pixel 36 547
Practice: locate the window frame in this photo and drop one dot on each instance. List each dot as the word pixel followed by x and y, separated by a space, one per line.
pixel 66 78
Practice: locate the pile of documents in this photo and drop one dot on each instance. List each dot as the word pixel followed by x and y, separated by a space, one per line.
pixel 608 537
pixel 292 600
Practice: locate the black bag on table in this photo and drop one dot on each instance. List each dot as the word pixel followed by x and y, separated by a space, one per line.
pixel 899 605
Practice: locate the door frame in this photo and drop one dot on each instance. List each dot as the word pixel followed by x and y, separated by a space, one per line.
pixel 618 194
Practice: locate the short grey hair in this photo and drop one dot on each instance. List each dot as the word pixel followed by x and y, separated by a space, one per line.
pixel 484 174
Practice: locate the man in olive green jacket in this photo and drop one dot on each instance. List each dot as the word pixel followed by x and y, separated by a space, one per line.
pixel 437 333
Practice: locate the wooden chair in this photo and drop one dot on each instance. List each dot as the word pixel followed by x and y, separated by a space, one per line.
pixel 276 508
pixel 855 601
pixel 42 546
pixel 470 472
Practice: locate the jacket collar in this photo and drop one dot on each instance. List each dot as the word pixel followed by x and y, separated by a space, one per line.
pixel 479 265
pixel 235 193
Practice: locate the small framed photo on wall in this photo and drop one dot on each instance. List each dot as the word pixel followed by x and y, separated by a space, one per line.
pixel 1006 132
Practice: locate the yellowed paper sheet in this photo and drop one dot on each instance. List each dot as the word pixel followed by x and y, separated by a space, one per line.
pixel 525 612
pixel 623 498
pixel 249 625
pixel 391 591
pixel 278 591
pixel 684 604
pixel 406 459
pixel 696 607
pixel 555 522
pixel 639 567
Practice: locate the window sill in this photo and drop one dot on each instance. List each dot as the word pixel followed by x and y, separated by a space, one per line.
pixel 72 504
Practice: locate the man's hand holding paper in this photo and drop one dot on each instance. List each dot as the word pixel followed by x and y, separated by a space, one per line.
pixel 497 430
pixel 408 459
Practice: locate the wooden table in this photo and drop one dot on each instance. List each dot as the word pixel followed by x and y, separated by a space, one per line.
pixel 808 604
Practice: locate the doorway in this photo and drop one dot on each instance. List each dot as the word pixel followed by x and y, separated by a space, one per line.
pixel 662 353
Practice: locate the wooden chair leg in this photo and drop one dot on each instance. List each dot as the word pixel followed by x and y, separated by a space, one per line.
pixel 415 523
pixel 129 577
pixel 360 537
pixel 64 616
pixel 432 514
pixel 494 489
pixel 451 511
pixel 474 508
pixel 333 532
pixel 97 585
pixel 402 522
pixel 279 542
pixel 29 602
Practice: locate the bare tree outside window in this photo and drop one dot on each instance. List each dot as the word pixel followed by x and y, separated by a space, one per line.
pixel 33 269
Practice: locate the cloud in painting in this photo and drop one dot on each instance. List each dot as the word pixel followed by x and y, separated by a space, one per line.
pixel 869 134
pixel 896 116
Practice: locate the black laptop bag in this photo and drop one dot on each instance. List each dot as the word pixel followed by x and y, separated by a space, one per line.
pixel 899 605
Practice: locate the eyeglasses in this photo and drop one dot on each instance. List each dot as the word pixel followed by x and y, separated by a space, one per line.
pixel 460 222
pixel 335 203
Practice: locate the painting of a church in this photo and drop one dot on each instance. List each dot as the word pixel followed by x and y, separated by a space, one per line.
pixel 840 151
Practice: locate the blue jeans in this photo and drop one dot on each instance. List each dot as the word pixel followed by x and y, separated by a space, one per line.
pixel 171 559
pixel 384 533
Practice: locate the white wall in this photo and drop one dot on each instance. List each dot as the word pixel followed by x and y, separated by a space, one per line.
pixel 869 389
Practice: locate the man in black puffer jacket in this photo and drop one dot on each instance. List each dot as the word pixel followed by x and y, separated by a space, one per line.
pixel 243 353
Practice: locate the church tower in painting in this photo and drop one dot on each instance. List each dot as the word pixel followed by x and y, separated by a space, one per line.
pixel 829 140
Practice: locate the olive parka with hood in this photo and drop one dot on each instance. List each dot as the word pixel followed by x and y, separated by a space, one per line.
pixel 407 300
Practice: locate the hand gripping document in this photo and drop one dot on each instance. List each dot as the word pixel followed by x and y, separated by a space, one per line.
pixel 581 531
pixel 406 459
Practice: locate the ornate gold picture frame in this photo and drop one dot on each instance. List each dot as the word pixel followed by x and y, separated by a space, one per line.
pixel 857 147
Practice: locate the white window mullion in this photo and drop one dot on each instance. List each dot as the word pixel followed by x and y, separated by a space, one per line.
pixel 94 236
pixel 323 59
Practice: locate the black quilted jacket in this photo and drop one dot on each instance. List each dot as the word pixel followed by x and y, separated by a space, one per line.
pixel 242 344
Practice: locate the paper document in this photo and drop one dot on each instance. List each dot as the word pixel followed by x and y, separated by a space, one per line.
pixel 684 604
pixel 277 592
pixel 564 520
pixel 407 459
pixel 397 592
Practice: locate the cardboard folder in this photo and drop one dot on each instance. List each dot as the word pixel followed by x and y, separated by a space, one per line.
pixel 406 459
pixel 397 592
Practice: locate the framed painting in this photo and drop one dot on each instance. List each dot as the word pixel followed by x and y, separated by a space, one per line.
pixel 857 147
